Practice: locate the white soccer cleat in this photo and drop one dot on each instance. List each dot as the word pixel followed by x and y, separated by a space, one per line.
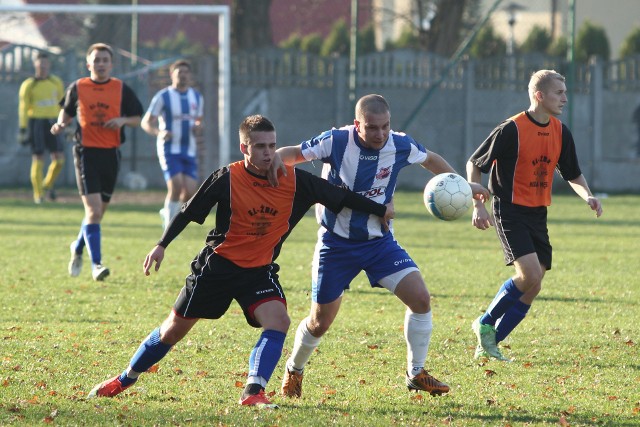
pixel 99 272
pixel 75 264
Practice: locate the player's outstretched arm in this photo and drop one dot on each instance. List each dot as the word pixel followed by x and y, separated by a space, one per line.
pixel 156 255
pixel 291 155
pixel 580 186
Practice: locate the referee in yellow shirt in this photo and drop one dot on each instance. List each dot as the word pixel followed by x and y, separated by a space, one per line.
pixel 38 111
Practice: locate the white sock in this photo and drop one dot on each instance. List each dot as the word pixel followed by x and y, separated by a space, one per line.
pixel 170 210
pixel 303 346
pixel 257 380
pixel 417 333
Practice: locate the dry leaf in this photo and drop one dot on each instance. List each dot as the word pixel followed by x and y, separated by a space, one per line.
pixel 489 373
pixel 153 369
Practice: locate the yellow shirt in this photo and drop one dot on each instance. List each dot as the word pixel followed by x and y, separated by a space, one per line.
pixel 39 99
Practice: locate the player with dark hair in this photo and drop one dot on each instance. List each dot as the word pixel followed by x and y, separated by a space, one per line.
pixel 520 156
pixel 175 118
pixel 38 109
pixel 365 157
pixel 103 106
pixel 238 261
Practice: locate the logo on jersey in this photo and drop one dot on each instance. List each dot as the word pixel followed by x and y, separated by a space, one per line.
pixel 383 173
pixel 263 210
pixel 363 157
pixel 374 192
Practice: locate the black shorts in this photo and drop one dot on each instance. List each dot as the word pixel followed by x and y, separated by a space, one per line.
pixel 96 170
pixel 41 138
pixel 215 282
pixel 522 230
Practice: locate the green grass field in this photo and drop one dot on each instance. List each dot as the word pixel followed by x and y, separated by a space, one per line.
pixel 576 354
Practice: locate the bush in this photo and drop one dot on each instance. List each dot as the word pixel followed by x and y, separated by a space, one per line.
pixel 487 44
pixel 591 41
pixel 631 44
pixel 538 41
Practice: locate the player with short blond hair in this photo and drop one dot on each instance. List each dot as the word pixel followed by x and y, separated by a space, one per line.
pixel 520 156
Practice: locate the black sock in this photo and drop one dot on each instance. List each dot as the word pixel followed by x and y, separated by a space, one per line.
pixel 252 389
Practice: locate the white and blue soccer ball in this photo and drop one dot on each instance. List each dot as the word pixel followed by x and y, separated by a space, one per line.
pixel 448 196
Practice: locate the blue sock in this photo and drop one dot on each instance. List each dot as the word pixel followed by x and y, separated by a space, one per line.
pixel 79 242
pixel 511 319
pixel 92 238
pixel 150 352
pixel 265 354
pixel 504 299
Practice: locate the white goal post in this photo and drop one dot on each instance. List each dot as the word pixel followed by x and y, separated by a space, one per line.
pixel 224 40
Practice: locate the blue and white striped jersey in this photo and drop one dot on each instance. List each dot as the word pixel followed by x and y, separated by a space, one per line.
pixel 177 112
pixel 373 173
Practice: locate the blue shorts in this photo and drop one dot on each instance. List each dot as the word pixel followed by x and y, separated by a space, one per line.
pixel 173 164
pixel 337 261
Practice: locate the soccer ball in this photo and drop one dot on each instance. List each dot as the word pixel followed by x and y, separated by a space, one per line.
pixel 447 196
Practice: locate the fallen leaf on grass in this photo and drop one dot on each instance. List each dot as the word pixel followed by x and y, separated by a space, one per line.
pixel 489 373
pixel 563 422
pixel 239 384
pixel 417 396
pixel 630 343
pixel 153 369
pixel 330 392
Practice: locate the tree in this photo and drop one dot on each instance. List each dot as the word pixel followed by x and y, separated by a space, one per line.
pixel 113 29
pixel 446 30
pixel 311 43
pixel 337 42
pixel 408 39
pixel 558 47
pixel 437 26
pixel 366 40
pixel 538 41
pixel 591 41
pixel 487 44
pixel 250 24
pixel 292 42
pixel 631 44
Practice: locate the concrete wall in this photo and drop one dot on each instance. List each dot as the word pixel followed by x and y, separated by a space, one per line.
pixel 453 122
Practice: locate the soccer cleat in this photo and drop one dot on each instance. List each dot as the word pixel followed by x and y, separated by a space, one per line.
pixel 99 272
pixel 75 265
pixel 259 400
pixel 108 388
pixel 486 335
pixel 425 382
pixel 480 353
pixel 51 193
pixel 292 383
